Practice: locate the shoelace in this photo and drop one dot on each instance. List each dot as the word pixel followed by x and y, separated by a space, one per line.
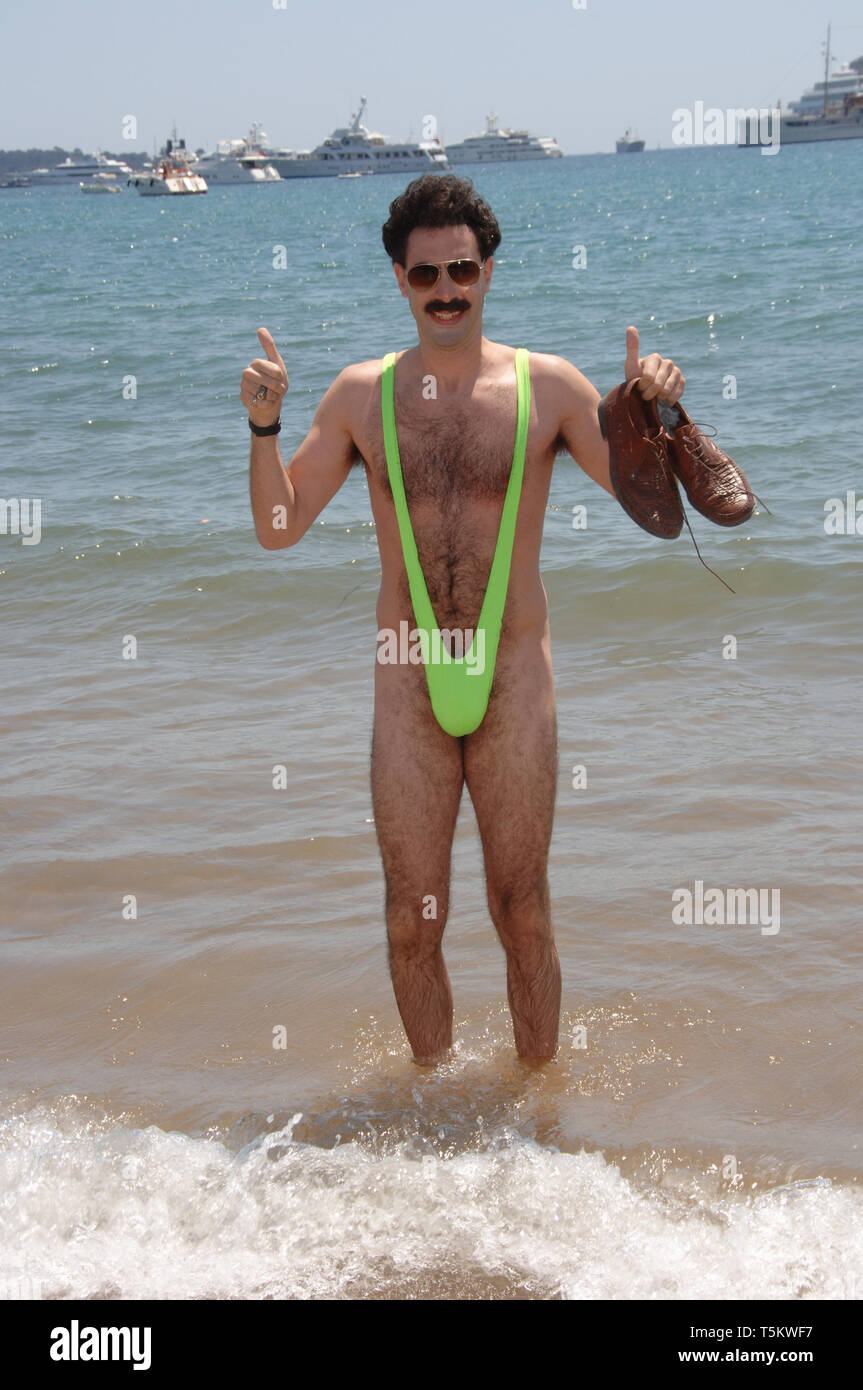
pixel 691 446
pixel 701 557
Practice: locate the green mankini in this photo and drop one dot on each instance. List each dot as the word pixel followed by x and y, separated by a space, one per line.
pixel 458 689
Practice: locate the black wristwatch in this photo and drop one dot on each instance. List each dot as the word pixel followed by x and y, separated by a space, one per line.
pixel 264 429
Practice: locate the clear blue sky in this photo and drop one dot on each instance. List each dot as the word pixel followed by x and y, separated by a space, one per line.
pixel 73 70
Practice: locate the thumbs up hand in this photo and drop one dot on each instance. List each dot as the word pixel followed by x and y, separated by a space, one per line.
pixel 657 376
pixel 264 383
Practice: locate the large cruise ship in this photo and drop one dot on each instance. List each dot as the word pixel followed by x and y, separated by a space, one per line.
pixel 829 110
pixel 497 146
pixel 72 171
pixel 353 149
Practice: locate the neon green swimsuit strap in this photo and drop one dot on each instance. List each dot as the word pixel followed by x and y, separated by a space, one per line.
pixel 459 687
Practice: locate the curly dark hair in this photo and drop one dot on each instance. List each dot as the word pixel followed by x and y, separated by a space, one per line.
pixel 439 200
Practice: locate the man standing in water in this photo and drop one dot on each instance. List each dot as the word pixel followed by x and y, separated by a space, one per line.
pixel 451 528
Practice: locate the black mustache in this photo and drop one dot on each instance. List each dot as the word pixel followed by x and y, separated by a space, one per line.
pixel 453 307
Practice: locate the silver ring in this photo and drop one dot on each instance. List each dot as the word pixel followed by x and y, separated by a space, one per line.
pixel 261 393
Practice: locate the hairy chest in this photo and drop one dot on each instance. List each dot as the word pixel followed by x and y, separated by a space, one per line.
pixel 451 456
pixel 456 465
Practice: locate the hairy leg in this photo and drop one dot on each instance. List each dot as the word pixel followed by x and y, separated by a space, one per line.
pixel 417 779
pixel 511 772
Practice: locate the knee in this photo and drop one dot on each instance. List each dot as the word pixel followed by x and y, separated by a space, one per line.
pixel 415 923
pixel 520 913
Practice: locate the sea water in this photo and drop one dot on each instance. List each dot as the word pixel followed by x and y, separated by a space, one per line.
pixel 206 1089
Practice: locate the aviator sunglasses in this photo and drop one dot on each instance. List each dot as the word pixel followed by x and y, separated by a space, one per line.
pixel 426 276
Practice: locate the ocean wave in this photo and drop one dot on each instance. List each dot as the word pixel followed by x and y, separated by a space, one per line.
pixel 104 1210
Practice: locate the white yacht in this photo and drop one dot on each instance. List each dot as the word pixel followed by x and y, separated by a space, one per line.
pixel 238 161
pixel 497 145
pixel 172 175
pixel 353 149
pixel 846 81
pixel 74 170
pixel 829 110
pixel 846 123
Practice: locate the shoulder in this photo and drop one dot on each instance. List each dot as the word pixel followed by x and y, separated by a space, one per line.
pixel 349 393
pixel 557 377
pixel 546 370
pixel 565 400
pixel 358 376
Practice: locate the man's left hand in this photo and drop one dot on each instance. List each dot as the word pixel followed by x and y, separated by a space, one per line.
pixel 657 376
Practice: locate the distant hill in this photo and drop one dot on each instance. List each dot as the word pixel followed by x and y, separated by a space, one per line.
pixel 22 161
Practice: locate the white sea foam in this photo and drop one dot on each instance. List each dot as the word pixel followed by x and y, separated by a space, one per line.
pixel 99 1210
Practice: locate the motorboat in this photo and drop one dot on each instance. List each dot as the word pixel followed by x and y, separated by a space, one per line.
pixel 173 174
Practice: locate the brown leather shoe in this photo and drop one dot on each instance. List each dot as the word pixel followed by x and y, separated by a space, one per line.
pixel 641 474
pixel 712 481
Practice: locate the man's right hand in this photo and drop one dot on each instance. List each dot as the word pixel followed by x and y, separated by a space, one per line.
pixel 269 372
